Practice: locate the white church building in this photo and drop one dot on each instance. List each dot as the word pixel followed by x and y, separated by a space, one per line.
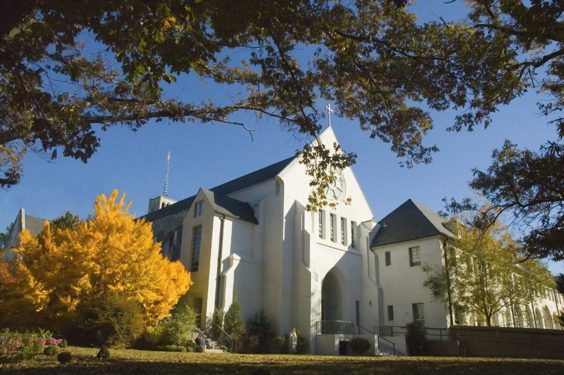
pixel 251 239
pixel 331 274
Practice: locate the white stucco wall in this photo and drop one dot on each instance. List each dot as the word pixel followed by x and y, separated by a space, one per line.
pixel 402 285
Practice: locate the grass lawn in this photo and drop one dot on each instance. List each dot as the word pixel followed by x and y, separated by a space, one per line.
pixel 147 362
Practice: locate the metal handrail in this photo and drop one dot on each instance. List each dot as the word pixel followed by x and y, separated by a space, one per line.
pixel 388 342
pixel 334 327
pixel 383 340
pixel 230 339
pixel 442 333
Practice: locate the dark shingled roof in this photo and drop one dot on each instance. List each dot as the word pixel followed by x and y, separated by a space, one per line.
pixel 175 212
pixel 410 221
pixel 34 224
pixel 222 204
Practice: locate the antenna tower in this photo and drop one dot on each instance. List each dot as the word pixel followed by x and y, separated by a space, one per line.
pixel 165 186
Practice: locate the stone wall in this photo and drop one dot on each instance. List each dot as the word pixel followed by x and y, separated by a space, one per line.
pixel 501 342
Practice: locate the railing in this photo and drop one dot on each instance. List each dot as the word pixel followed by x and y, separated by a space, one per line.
pixel 388 345
pixel 334 327
pixel 224 338
pixel 441 334
pixel 384 342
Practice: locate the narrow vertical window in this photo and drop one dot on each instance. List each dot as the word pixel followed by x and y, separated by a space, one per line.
pixel 198 207
pixel 343 231
pixel 388 257
pixel 196 244
pixel 390 312
pixel 418 312
pixel 321 223
pixel 353 234
pixel 333 228
pixel 414 256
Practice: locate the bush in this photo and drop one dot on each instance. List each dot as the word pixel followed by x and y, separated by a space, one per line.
pixel 217 324
pixel 359 345
pixel 17 346
pixel 64 357
pixel 170 348
pixel 64 343
pixel 29 350
pixel 110 320
pixel 415 339
pixel 233 323
pixel 50 350
pixel 103 353
pixel 177 329
pixel 199 349
pixel 191 346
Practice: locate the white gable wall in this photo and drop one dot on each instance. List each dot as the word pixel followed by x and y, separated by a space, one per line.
pixel 267 200
pixel 402 284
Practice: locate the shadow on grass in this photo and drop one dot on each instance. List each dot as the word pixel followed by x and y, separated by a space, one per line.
pixel 411 367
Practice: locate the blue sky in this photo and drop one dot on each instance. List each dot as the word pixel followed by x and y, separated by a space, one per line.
pixel 206 155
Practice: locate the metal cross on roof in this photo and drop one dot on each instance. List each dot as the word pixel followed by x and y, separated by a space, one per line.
pixel 329 111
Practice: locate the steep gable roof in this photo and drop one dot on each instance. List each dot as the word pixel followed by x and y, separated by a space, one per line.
pixel 179 208
pixel 410 221
pixel 227 206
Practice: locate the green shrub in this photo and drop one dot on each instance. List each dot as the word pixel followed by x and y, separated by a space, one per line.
pixel 233 323
pixel 217 324
pixel 199 349
pixel 103 353
pixel 64 357
pixel 360 345
pixel 64 343
pixel 415 339
pixel 50 350
pixel 29 350
pixel 170 348
pixel 191 346
pixel 177 329
pixel 110 320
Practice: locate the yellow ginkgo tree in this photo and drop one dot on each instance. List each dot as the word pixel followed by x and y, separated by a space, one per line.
pixel 60 271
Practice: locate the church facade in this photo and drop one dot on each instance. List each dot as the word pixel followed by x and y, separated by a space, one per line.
pixel 331 274
pixel 251 239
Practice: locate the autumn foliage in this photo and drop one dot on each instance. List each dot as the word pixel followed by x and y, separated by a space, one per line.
pixel 63 272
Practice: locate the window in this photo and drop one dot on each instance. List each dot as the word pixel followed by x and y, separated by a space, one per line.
pixel 333 223
pixel 343 231
pixel 414 256
pixel 418 312
pixel 390 312
pixel 353 234
pixel 321 223
pixel 388 257
pixel 198 208
pixel 196 243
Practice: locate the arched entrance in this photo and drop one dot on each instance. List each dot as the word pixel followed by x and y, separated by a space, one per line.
pixel 333 303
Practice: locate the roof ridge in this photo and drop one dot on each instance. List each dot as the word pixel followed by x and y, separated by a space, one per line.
pixel 238 183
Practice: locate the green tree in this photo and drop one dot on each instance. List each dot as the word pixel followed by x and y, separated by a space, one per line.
pixel 177 329
pixel 233 322
pixel 217 324
pixel 485 274
pixel 373 59
pixel 66 221
pixel 528 186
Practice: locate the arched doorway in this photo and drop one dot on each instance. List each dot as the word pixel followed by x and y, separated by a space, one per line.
pixel 333 303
